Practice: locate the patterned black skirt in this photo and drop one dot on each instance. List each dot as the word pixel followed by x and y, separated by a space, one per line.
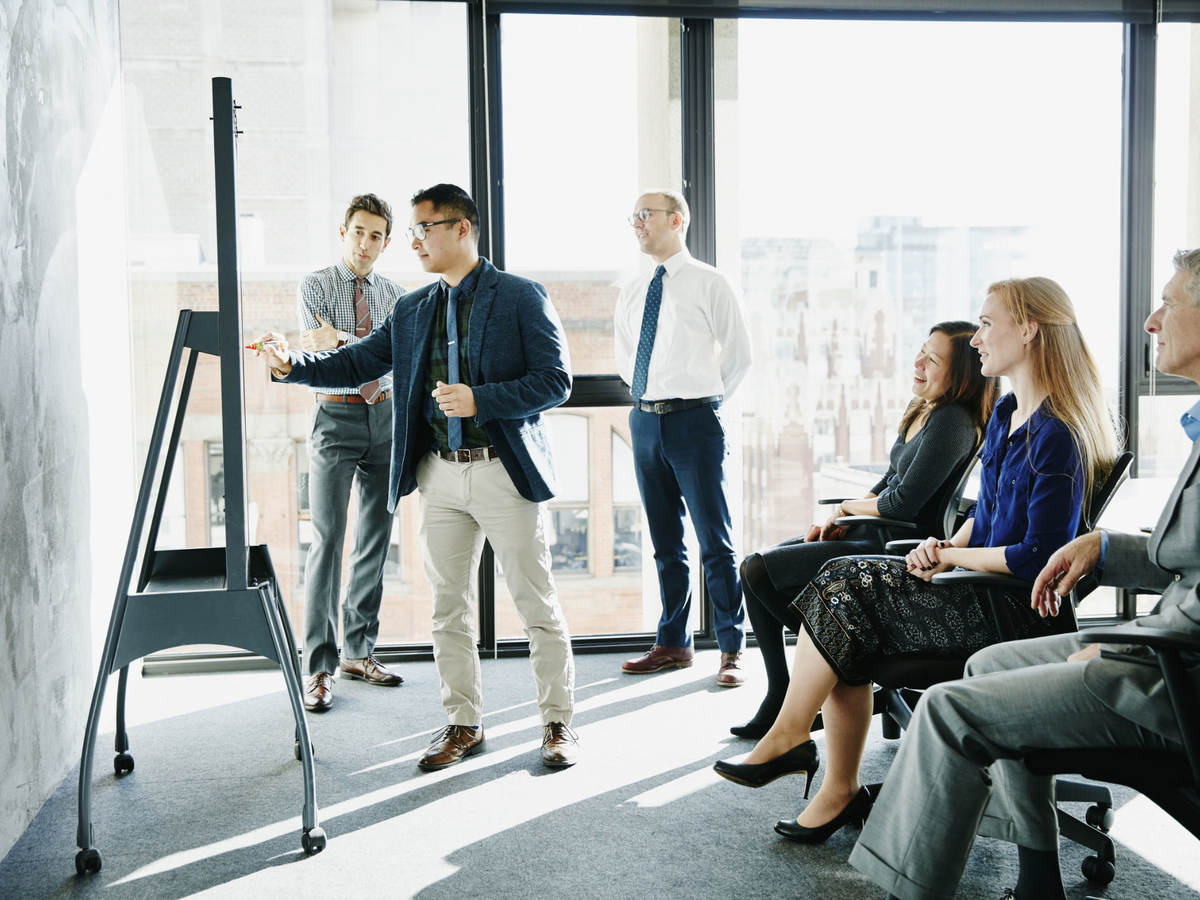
pixel 860 608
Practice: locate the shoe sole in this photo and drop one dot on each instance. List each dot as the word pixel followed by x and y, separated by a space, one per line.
pixel 354 677
pixel 436 767
pixel 729 683
pixel 319 709
pixel 559 765
pixel 670 665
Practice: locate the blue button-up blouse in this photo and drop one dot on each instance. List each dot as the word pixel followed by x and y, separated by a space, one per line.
pixel 1030 491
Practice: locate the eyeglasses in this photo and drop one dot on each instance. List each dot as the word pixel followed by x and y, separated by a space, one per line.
pixel 418 231
pixel 643 214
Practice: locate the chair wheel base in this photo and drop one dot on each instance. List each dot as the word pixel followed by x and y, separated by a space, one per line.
pixel 1100 817
pixel 313 840
pixel 1098 871
pixel 123 764
pixel 88 862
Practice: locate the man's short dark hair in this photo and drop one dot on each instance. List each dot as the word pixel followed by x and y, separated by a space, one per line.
pixel 369 203
pixel 449 200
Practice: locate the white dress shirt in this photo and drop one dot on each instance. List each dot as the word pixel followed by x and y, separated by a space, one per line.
pixel 702 345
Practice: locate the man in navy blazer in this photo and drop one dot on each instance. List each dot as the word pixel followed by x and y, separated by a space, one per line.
pixel 475 358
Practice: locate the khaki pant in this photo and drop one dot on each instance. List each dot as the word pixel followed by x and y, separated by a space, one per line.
pixel 461 504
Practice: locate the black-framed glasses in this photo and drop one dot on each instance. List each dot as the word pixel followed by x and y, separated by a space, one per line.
pixel 643 214
pixel 418 231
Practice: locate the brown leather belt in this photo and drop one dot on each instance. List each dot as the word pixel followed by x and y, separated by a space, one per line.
pixel 353 398
pixel 473 454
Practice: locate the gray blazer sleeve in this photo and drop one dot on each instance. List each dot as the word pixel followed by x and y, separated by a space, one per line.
pixel 1128 564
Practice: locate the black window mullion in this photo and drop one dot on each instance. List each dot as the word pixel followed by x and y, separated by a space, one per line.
pixel 1137 220
pixel 698 117
pixel 699 146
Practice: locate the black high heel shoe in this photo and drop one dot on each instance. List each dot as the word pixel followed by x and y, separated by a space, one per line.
pixel 855 813
pixel 801 758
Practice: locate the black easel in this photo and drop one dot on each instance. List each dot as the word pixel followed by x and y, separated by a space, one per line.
pixel 207 595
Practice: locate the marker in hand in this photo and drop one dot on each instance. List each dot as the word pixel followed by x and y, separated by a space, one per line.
pixel 263 345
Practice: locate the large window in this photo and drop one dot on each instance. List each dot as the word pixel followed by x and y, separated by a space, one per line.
pixel 911 165
pixel 326 113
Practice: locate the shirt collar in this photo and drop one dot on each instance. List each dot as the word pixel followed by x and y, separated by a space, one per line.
pixel 346 275
pixel 674 263
pixel 466 287
pixel 1190 421
pixel 1008 405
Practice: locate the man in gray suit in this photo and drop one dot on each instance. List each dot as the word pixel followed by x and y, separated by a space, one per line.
pixel 958 771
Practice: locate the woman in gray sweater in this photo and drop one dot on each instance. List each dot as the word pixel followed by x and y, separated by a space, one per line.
pixel 940 428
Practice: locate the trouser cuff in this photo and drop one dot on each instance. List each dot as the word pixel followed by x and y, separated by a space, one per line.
pixel 892 881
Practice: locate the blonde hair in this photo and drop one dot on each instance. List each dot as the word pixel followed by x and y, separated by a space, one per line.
pixel 1063 367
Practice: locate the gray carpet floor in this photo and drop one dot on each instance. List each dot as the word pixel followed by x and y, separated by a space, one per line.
pixel 213 806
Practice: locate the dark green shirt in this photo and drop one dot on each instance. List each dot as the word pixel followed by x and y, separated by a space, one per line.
pixel 437 366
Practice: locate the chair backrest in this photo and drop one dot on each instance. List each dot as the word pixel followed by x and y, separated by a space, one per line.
pixel 1103 492
pixel 952 491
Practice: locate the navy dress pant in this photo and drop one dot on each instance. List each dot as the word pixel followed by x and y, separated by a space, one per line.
pixel 679 459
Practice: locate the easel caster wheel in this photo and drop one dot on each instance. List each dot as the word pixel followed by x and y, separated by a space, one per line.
pixel 1099 817
pixel 311 748
pixel 123 764
pixel 1098 871
pixel 313 841
pixel 87 862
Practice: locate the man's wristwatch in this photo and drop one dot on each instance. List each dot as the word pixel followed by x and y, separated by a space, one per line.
pixel 343 338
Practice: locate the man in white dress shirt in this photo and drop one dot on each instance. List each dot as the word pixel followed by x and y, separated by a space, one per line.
pixel 682 346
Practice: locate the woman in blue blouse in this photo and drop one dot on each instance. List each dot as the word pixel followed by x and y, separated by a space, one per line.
pixel 1046 443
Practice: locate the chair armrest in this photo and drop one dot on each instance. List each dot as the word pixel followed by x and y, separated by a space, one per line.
pixel 830 501
pixel 902 547
pixel 988 579
pixel 878 521
pixel 1168 646
pixel 1132 633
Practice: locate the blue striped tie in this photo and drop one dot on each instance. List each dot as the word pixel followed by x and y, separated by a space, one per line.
pixel 641 363
pixel 453 423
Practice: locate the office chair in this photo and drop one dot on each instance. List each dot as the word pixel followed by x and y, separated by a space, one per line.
pixel 1170 779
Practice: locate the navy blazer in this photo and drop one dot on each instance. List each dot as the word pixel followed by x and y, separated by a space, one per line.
pixel 519 362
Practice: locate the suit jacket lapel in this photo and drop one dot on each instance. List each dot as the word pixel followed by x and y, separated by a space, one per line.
pixel 1172 505
pixel 481 307
pixel 422 335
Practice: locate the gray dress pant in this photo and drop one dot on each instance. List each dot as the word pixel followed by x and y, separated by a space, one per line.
pixel 957 772
pixel 348 441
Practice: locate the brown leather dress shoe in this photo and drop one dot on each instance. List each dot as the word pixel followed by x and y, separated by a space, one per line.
pixel 560 746
pixel 657 658
pixel 370 670
pixel 730 674
pixel 318 693
pixel 451 745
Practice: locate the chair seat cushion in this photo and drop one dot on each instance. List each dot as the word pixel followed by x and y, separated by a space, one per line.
pixel 916 670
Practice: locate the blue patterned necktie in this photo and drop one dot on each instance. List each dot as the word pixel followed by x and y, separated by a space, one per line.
pixel 453 423
pixel 641 362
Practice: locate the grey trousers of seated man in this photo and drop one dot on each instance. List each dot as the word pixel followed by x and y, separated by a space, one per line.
pixel 350 443
pixel 957 774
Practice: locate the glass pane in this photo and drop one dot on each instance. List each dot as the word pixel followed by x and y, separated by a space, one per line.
pixel 568 189
pixel 327 113
pixel 885 198
pixel 1176 145
pixel 598 546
